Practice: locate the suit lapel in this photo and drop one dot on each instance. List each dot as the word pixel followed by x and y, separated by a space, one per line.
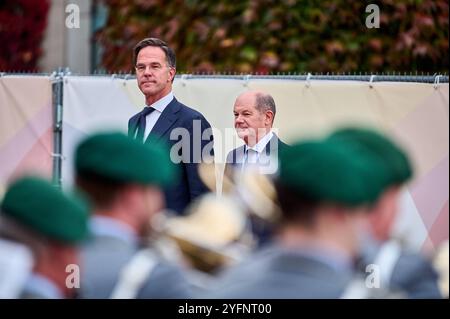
pixel 239 156
pixel 133 125
pixel 272 146
pixel 166 120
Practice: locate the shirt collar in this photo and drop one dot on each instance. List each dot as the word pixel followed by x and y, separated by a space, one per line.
pixel 161 104
pixel 43 287
pixel 107 226
pixel 261 145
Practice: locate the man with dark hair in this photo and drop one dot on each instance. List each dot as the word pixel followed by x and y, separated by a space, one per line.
pixel 187 132
pixel 254 113
pixel 170 54
pixel 112 169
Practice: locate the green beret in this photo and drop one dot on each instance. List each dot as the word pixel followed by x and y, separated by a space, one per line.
pixel 327 171
pixel 42 207
pixel 115 156
pixel 392 156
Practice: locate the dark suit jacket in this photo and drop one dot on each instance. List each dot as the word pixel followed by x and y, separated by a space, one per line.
pixel 235 157
pixel 176 118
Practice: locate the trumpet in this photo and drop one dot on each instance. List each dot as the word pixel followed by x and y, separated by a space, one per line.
pixel 212 235
pixel 216 231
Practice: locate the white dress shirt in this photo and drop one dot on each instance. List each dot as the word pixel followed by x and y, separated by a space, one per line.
pixel 252 154
pixel 159 107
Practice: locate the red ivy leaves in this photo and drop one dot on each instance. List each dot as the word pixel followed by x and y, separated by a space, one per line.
pixel 22 25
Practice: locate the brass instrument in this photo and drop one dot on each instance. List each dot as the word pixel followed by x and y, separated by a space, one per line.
pixel 214 233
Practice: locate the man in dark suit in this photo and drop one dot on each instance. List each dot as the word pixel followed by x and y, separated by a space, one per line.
pixel 254 113
pixel 186 131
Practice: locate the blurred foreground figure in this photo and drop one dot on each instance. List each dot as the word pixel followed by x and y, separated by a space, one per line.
pixel 324 190
pixel 399 269
pixel 41 227
pixel 113 170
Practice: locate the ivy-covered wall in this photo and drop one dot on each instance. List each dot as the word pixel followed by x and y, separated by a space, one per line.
pixel 269 36
pixel 22 26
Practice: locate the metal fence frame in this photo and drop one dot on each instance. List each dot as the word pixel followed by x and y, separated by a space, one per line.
pixel 57 78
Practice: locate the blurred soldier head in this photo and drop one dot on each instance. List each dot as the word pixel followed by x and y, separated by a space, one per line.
pixel 383 212
pixel 155 65
pixel 254 113
pixel 325 189
pixel 123 178
pixel 50 223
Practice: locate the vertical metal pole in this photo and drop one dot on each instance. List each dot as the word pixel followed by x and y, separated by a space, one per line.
pixel 57 88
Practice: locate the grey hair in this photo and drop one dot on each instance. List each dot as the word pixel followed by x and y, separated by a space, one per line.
pixel 265 102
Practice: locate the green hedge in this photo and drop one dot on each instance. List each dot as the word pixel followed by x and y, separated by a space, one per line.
pixel 265 36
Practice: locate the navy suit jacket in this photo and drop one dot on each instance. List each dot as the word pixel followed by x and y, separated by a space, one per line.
pixel 178 116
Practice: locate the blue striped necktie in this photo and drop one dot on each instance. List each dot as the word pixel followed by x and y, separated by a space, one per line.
pixel 248 152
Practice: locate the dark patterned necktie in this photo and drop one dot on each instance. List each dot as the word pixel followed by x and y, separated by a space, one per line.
pixel 250 157
pixel 141 123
